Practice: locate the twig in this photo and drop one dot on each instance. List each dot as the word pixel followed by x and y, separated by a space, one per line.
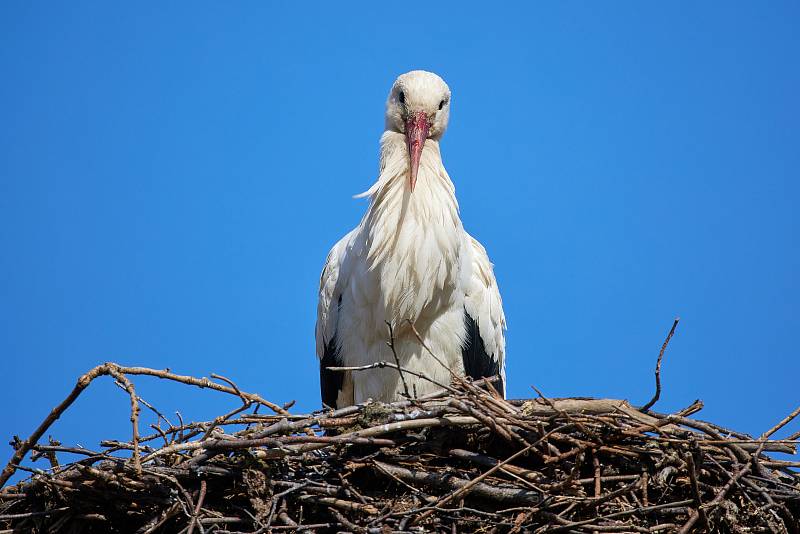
pixel 159 416
pixel 425 346
pixel 717 499
pixel 198 506
pixel 390 343
pixel 383 364
pixel 472 483
pixel 202 383
pixel 657 394
pixel 134 415
pixel 235 388
pixel 698 502
pixel 785 421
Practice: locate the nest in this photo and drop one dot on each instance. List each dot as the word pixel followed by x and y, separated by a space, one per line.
pixel 461 460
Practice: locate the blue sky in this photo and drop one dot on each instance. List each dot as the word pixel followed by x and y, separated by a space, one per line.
pixel 173 175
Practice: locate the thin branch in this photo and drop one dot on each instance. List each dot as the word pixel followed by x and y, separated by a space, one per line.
pixel 657 394
pixel 383 364
pixel 716 501
pixel 425 346
pixel 198 507
pixel 134 415
pixel 390 343
pixel 785 421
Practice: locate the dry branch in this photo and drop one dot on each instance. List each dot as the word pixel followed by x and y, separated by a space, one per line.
pixel 657 393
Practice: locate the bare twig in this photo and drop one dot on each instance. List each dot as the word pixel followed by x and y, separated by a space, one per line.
pixel 695 515
pixel 381 365
pixel 425 346
pixel 390 343
pixel 113 371
pixel 783 422
pixel 198 507
pixel 657 394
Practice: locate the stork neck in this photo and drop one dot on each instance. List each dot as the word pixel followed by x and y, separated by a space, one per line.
pixel 392 203
pixel 399 223
pixel 434 186
pixel 413 240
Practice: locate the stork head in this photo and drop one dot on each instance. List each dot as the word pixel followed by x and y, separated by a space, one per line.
pixel 418 107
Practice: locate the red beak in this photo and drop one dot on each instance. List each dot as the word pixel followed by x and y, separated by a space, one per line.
pixel 416 132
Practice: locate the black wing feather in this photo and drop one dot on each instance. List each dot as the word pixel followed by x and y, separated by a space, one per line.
pixel 477 363
pixel 330 382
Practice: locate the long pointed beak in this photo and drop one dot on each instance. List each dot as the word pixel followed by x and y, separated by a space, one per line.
pixel 417 127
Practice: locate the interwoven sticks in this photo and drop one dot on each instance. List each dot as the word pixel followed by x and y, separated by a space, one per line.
pixel 460 460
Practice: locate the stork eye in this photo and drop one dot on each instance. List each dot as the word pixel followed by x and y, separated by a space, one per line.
pixel 402 97
pixel 441 104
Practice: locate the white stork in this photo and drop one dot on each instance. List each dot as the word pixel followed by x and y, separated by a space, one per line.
pixel 409 261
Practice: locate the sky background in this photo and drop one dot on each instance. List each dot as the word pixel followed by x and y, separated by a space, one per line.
pixel 173 175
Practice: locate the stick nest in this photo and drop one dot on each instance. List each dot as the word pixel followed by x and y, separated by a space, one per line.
pixel 463 460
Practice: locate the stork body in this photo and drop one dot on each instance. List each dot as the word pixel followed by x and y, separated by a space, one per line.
pixel 409 261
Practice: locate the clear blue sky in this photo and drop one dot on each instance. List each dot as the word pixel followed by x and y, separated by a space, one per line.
pixel 172 176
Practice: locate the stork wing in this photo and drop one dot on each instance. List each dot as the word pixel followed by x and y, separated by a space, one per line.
pixel 484 350
pixel 331 383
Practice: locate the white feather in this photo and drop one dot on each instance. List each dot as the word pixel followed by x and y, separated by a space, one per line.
pixel 409 259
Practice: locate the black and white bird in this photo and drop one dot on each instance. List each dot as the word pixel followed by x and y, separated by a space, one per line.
pixel 409 261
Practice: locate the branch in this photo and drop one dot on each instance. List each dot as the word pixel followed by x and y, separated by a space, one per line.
pixel 657 394
pixel 397 360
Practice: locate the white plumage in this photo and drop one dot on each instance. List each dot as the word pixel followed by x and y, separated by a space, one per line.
pixel 408 260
